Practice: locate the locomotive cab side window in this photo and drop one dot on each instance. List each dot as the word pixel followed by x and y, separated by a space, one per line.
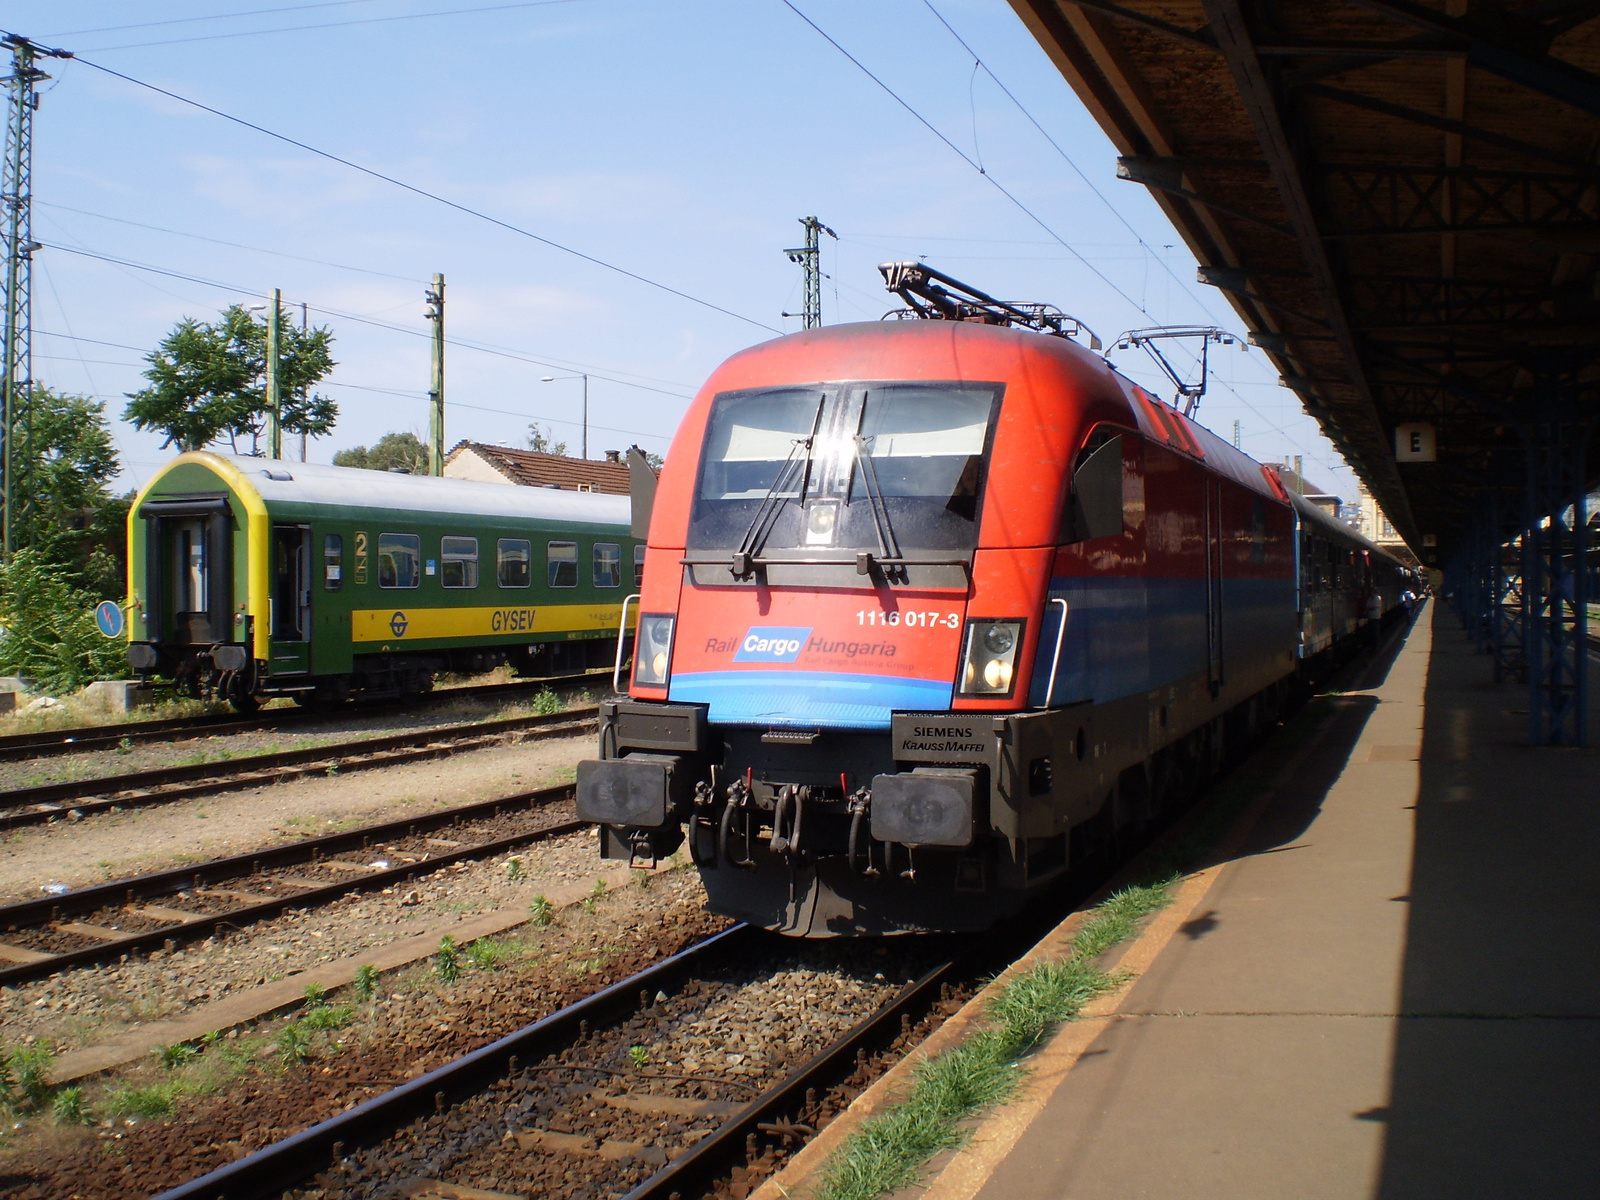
pixel 561 561
pixel 638 566
pixel 333 562
pixel 1094 502
pixel 607 565
pixel 513 562
pixel 399 560
pixel 458 562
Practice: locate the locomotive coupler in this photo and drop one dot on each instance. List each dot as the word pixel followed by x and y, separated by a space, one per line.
pixel 738 805
pixel 787 819
pixel 701 819
pixel 859 807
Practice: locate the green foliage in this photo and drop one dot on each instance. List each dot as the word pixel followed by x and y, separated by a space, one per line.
pixel 63 460
pixel 447 962
pixel 639 1057
pixel 175 1056
pixel 547 703
pixel 887 1153
pixel 327 1017
pixel 207 382
pixel 487 954
pixel 49 629
pixel 404 450
pixel 315 995
pixel 68 1108
pixel 24 1078
pixel 155 1100
pixel 541 911
pixel 293 1044
pixel 539 441
pixel 366 981
pixel 514 868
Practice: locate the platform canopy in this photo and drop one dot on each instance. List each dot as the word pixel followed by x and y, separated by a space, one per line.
pixel 1399 199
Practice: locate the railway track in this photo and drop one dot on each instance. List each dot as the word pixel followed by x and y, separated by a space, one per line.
pixel 565 1104
pixel 55 742
pixel 43 803
pixel 99 924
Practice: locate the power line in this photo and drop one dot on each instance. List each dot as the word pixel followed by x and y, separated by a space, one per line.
pixel 83 212
pixel 1067 158
pixel 967 158
pixel 438 199
pixel 254 12
pixel 217 37
pixel 481 348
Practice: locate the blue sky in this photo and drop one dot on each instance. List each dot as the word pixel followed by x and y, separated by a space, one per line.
pixel 680 141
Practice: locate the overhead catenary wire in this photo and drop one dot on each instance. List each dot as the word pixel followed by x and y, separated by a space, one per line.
pixel 254 12
pixel 967 158
pixel 434 196
pixel 256 293
pixel 216 37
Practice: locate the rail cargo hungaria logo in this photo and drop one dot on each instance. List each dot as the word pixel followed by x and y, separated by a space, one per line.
pixel 397 624
pixel 771 643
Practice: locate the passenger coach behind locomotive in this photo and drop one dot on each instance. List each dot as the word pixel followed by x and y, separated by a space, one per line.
pixel 933 609
pixel 252 578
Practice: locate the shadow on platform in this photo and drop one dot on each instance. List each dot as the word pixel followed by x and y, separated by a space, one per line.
pixel 1495 1085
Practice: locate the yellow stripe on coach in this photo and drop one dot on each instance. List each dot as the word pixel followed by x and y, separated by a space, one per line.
pixel 401 624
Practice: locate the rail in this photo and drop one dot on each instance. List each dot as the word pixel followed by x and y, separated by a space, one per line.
pixel 23 963
pixel 45 802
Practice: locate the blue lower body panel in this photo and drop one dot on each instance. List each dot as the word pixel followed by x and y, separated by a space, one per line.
pixel 808 699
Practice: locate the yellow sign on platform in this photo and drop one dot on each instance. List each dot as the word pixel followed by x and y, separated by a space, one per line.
pixel 401 624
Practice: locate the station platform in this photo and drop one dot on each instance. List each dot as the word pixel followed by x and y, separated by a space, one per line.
pixel 1391 988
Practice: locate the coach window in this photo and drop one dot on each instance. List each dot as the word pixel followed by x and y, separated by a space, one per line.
pixel 459 562
pixel 562 560
pixel 399 560
pixel 513 562
pixel 607 565
pixel 333 562
pixel 638 567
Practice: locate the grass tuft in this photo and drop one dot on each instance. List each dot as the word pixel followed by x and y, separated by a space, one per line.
pixel 541 911
pixel 366 982
pixel 69 1108
pixel 154 1100
pixel 889 1150
pixel 447 962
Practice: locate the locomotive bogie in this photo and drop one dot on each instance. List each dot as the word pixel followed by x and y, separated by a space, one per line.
pixel 251 578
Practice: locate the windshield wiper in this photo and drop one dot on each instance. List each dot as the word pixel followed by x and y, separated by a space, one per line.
pixel 767 512
pixel 888 548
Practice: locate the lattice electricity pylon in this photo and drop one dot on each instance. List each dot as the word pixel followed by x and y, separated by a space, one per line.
pixel 1555 582
pixel 16 285
pixel 1147 339
pixel 809 259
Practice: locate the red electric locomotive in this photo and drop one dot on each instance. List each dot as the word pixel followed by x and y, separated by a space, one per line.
pixel 934 609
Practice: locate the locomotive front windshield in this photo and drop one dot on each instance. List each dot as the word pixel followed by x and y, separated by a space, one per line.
pixel 881 467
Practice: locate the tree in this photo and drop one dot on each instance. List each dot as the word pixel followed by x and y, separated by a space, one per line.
pixel 539 442
pixel 208 382
pixel 47 629
pixel 405 450
pixel 65 459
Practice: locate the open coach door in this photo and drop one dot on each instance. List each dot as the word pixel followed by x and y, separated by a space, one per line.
pixel 290 600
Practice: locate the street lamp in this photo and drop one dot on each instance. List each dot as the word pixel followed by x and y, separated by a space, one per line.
pixel 585 378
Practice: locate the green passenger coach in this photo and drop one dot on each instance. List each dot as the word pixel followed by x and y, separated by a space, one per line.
pixel 253 577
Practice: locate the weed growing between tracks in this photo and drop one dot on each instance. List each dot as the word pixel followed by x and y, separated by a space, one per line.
pixel 889 1150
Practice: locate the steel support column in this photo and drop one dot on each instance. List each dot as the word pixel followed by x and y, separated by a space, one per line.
pixel 1555 581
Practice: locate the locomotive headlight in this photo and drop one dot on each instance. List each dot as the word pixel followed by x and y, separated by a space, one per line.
pixel 652 650
pixel 989 661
